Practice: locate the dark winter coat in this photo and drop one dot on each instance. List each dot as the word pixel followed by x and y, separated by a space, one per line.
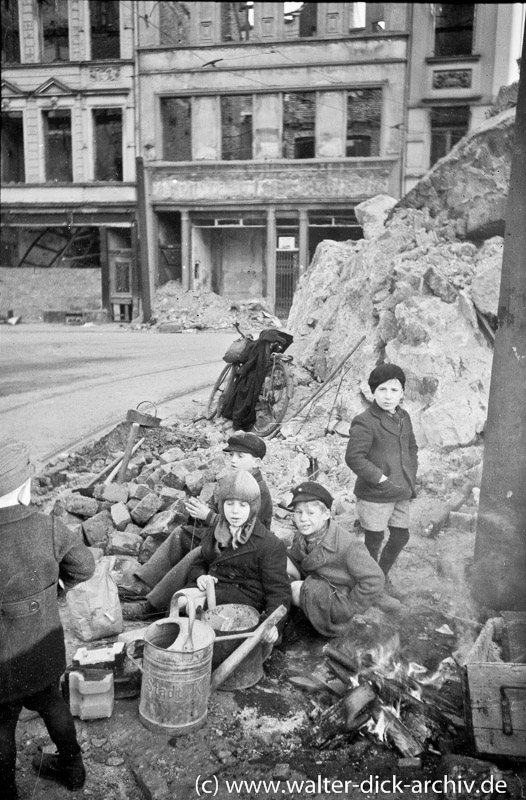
pixel 35 551
pixel 254 574
pixel 341 579
pixel 381 443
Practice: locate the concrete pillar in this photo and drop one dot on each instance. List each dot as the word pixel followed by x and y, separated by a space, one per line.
pixel 186 266
pixel 271 257
pixel 304 240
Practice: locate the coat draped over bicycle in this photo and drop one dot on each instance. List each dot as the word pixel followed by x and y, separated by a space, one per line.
pixel 240 404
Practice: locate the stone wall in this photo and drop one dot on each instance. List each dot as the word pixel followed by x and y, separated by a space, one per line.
pixel 31 291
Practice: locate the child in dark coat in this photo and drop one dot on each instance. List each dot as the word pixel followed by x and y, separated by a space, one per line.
pixel 383 453
pixel 247 562
pixel 35 551
pixel 153 584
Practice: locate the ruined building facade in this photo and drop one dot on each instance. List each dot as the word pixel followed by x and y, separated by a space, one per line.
pixel 218 143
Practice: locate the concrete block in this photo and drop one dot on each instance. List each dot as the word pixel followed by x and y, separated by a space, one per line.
pixel 151 784
pixel 133 528
pixel 207 492
pixel 120 516
pixel 97 529
pixel 174 454
pixel 138 490
pixel 176 478
pixel 195 482
pixel 114 492
pixel 124 544
pixel 145 510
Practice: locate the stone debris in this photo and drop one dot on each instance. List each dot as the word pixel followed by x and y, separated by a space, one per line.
pixel 176 310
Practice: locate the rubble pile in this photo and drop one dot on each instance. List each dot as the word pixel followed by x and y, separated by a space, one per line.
pixel 175 309
pixel 423 295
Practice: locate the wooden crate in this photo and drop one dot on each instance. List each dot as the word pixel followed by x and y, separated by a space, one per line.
pixel 495 692
pixel 497 708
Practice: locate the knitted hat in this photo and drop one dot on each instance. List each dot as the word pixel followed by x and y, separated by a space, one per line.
pixel 310 490
pixel 15 466
pixel 383 373
pixel 240 485
pixel 242 442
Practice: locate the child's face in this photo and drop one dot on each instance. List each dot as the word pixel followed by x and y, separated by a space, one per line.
pixel 243 461
pixel 310 517
pixel 236 512
pixel 389 394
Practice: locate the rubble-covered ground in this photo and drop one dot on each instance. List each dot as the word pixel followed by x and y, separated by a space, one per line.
pixel 175 309
pixel 262 733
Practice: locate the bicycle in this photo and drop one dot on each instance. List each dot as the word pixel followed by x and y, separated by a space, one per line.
pixel 275 394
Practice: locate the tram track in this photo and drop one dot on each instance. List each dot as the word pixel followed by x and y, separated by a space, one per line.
pixel 83 386
pixel 102 430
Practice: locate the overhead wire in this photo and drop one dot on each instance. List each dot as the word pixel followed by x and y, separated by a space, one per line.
pixel 276 88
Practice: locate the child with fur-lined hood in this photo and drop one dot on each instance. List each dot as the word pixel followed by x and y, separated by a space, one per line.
pixel 247 562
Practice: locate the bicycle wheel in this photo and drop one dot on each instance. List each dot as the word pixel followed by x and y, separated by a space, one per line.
pixel 274 399
pixel 216 399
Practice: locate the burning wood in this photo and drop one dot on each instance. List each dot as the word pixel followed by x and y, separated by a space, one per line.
pixel 387 700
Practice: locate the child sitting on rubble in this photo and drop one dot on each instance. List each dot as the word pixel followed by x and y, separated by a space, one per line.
pixel 35 551
pixel 383 453
pixel 154 583
pixel 333 576
pixel 247 562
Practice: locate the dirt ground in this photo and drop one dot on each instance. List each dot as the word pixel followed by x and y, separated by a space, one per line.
pixel 264 733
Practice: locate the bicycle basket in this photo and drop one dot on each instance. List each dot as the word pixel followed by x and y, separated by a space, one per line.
pixel 238 351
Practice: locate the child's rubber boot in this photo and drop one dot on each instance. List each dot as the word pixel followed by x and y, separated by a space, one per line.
pixel 70 772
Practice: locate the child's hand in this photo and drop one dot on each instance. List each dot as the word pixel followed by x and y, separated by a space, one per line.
pixel 196 508
pixel 271 635
pixel 203 580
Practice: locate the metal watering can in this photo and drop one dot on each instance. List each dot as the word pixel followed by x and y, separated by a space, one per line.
pixel 177 665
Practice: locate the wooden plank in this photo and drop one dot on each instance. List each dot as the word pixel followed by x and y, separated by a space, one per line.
pixel 488 717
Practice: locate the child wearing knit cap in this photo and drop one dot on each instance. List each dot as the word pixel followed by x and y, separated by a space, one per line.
pixel 247 562
pixel 36 550
pixel 383 453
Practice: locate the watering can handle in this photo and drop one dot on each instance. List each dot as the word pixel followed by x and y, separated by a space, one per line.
pixel 149 403
pixel 176 604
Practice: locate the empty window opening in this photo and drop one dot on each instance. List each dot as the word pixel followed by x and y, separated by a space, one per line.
pixel 358 14
pixel 300 20
pixel 454 29
pixel 104 28
pixel 57 145
pixel 176 126
pixel 12 135
pixel 339 225
pixel 174 23
pixel 10 32
pixel 299 113
pixel 364 123
pixel 236 127
pixel 235 26
pixel 107 128
pixel 55 30
pixel 448 126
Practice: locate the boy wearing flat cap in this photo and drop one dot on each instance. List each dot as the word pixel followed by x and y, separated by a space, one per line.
pixel 333 575
pixel 166 572
pixel 35 551
pixel 383 453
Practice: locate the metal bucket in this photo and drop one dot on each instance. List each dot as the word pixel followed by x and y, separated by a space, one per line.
pixel 175 682
pixel 235 618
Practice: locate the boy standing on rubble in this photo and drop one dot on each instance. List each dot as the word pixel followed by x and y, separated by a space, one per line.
pixel 35 551
pixel 333 576
pixel 383 453
pixel 166 572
